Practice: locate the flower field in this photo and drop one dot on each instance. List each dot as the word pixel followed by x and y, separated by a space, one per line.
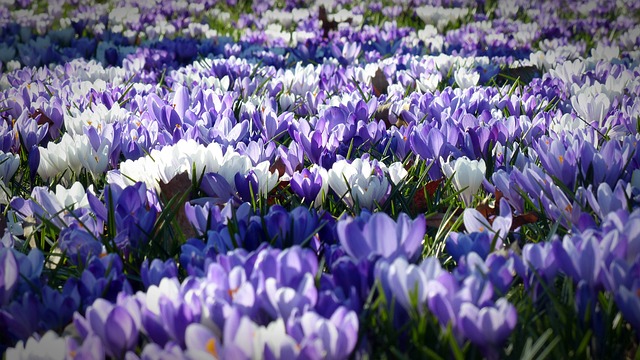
pixel 292 179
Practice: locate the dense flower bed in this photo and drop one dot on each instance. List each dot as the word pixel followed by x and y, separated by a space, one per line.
pixel 292 179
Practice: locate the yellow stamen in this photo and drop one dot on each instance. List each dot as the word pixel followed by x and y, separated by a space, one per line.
pixel 561 159
pixel 232 292
pixel 211 347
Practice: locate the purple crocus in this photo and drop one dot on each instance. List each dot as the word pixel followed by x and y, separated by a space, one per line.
pixel 78 245
pixel 319 337
pixel 309 184
pixel 9 274
pixel 116 325
pixel 151 274
pixel 379 234
pixel 166 311
pixel 488 327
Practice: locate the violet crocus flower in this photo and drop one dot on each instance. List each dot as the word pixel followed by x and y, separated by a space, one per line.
pixel 380 235
pixel 152 274
pixel 9 274
pixel 332 338
pixel 281 301
pixel 430 144
pixel 310 184
pixel 19 320
pixel 78 245
pixel 559 159
pixel 403 283
pixel 459 244
pixel 116 325
pixel 628 302
pixel 488 327
pixel 581 258
pixel 166 312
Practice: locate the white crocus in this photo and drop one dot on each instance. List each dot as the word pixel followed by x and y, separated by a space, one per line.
pixel 397 172
pixel 60 158
pixel 49 346
pixel 357 182
pixel 74 197
pixel 274 336
pixel 95 161
pixel 591 108
pixel 466 174
pixel 466 78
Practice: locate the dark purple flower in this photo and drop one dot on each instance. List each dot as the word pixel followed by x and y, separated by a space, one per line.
pixel 628 302
pixel 247 186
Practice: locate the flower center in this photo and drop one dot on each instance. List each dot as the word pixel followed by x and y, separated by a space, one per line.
pixel 211 347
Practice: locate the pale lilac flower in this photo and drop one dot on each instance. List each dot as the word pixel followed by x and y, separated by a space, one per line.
pixel 244 339
pixel 403 282
pixel 202 343
pixel 474 221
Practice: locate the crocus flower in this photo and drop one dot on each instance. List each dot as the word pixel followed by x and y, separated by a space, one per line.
pixel 466 78
pixel 467 176
pixel 591 108
pixel 379 234
pixel 151 274
pixel 244 339
pixel 78 244
pixel 499 227
pixel 488 327
pixel 165 312
pixel 357 183
pixel 628 302
pixel 310 184
pixel 403 282
pixel 117 325
pixel 9 274
pixel 333 338
pixel 91 348
pixel 49 346
pixel 202 343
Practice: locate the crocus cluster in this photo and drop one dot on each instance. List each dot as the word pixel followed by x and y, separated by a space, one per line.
pixel 285 179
